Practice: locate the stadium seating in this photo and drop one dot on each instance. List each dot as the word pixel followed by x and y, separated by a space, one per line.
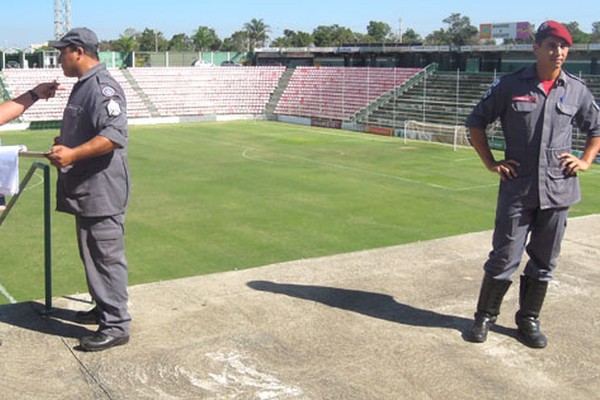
pixel 337 92
pixel 18 81
pixel 446 98
pixel 180 91
pixel 322 92
pixel 437 99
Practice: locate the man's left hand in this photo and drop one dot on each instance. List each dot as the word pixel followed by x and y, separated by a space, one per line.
pixel 572 164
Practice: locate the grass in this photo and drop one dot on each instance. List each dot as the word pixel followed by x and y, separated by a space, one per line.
pixel 214 197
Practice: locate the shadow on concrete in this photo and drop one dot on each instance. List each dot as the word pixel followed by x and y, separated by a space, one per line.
pixel 31 316
pixel 375 305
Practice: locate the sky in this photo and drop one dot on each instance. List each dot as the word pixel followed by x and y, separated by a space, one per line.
pixel 26 22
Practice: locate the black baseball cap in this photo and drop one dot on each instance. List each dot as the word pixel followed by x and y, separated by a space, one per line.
pixel 80 37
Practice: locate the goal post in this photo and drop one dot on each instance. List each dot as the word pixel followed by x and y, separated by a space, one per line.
pixel 456 135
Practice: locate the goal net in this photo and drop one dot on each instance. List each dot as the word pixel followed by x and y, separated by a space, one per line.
pixel 456 135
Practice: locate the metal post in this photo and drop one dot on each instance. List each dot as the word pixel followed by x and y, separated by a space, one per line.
pixel 457 93
pixel 47 238
pixel 47 225
pixel 424 95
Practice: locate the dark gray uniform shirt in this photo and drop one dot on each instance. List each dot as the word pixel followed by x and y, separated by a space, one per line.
pixel 96 187
pixel 537 129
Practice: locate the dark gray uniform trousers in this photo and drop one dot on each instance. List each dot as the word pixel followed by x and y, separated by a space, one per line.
pixel 102 250
pixel 514 224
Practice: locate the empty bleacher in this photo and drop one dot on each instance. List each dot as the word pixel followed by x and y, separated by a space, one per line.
pixel 442 97
pixel 337 92
pixel 356 94
pixel 447 98
pixel 181 91
pixel 18 81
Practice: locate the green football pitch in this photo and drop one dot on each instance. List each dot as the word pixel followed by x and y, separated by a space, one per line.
pixel 221 196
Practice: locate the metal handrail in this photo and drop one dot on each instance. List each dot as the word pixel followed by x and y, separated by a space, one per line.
pixel 395 92
pixel 47 226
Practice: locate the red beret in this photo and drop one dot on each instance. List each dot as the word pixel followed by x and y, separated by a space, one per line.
pixel 553 28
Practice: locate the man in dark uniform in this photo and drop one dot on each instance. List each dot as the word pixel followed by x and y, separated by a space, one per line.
pixel 536 107
pixel 93 183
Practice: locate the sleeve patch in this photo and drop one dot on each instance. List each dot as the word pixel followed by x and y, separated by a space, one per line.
pixel 488 93
pixel 113 108
pixel 108 91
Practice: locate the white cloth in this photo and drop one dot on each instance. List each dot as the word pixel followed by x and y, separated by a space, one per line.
pixel 9 169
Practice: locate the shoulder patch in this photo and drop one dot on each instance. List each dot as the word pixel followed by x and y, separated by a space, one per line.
pixel 108 91
pixel 488 93
pixel 113 108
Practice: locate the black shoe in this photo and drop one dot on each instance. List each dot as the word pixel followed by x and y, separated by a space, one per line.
pixel 529 332
pixel 100 341
pixel 91 317
pixel 480 328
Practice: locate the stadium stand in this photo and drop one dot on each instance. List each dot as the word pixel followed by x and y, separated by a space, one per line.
pixel 357 94
pixel 18 81
pixel 181 91
pixel 447 98
pixel 337 92
pixel 438 99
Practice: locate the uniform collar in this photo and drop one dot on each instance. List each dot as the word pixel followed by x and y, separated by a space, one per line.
pixel 92 71
pixel 530 73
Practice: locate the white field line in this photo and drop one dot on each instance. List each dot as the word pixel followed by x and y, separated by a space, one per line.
pixel 39 183
pixel 7 295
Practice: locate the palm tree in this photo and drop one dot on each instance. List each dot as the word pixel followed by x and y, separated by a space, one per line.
pixel 258 33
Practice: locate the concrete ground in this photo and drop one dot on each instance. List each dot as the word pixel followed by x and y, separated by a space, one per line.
pixel 377 324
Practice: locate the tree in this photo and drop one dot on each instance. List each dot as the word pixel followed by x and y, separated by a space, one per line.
pixel 258 32
pixel 595 36
pixel 293 39
pixel 410 36
pixel 151 40
pixel 460 32
pixel 206 39
pixel 181 42
pixel 439 38
pixel 236 42
pixel 127 42
pixel 333 35
pixel 379 31
pixel 577 34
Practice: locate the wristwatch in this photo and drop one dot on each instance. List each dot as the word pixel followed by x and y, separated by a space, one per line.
pixel 34 96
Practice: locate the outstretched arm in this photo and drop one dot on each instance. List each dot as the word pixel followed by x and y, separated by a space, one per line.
pixel 13 108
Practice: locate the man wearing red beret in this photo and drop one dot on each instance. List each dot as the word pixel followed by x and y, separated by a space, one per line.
pixel 537 107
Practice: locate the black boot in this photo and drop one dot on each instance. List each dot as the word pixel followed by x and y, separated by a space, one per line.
pixel 488 307
pixel 531 298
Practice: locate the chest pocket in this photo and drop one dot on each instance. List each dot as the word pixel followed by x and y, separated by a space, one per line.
pixel 522 119
pixel 523 106
pixel 71 123
pixel 564 115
